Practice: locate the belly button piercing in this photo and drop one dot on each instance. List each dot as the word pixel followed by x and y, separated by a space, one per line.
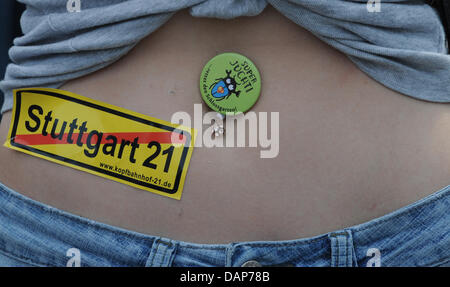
pixel 218 128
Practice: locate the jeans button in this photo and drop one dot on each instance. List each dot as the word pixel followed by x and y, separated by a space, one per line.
pixel 251 263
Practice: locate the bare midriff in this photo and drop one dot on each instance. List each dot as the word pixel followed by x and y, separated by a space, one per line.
pixel 350 149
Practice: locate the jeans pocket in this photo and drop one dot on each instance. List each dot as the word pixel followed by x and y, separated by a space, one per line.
pixel 12 261
pixel 442 263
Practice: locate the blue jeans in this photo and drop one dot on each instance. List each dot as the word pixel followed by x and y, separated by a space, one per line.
pixel 34 234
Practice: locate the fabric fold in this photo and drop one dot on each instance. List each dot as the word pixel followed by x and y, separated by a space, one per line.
pixel 402 46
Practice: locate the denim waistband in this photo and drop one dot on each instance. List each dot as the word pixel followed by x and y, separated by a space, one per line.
pixel 40 235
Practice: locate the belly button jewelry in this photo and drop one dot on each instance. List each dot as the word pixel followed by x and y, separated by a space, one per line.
pixel 218 128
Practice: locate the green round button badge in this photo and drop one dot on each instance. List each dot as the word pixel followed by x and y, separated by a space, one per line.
pixel 230 83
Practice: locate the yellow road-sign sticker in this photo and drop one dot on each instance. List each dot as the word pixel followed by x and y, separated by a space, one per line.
pixel 101 139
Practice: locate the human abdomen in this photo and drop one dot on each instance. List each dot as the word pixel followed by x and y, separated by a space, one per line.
pixel 349 149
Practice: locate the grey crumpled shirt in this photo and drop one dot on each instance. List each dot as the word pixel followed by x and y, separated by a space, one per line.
pixel 402 47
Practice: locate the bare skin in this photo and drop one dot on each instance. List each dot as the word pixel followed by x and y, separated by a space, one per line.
pixel 350 149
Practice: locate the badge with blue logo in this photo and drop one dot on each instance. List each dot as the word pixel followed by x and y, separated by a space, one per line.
pixel 230 83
